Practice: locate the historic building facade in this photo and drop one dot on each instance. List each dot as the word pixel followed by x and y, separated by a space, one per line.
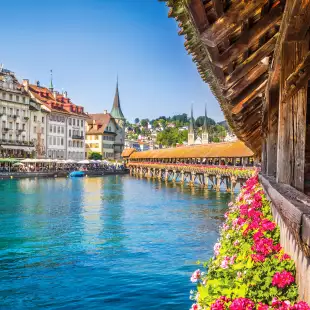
pixel 15 114
pixel 106 131
pixel 65 134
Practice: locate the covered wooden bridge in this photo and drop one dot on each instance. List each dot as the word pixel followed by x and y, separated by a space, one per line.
pixel 211 165
pixel 255 57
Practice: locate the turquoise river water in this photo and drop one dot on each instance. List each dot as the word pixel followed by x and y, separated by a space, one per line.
pixel 103 243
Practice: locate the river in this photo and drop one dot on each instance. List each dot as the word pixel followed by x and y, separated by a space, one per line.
pixel 103 243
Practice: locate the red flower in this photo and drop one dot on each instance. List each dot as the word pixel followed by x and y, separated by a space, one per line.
pixel 282 279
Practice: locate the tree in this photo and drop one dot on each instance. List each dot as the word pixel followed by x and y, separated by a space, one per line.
pixel 171 136
pixel 137 130
pixel 144 122
pixel 137 120
pixel 95 156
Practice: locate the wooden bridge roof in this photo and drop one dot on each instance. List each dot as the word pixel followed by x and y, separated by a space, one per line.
pixel 212 150
pixel 127 152
pixel 232 43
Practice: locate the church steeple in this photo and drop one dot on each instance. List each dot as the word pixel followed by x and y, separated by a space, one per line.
pixel 51 82
pixel 191 129
pixel 116 111
pixel 205 133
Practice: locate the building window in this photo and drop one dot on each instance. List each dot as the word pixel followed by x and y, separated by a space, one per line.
pixel 24 99
pixel 62 130
pixel 24 126
pixel 42 119
pixel 3 95
pixel 54 140
pixel 51 140
pixel 10 125
pixel 4 110
pixel 81 123
pixel 11 97
pixel 42 130
pixel 34 118
pixel 17 98
pixel 51 128
pixel 70 133
pixel 74 122
pixel 24 112
pixel 17 112
pixel 58 129
pixel 77 122
pixel 34 129
pixel 54 129
pixel 82 134
pixel 11 111
pixel 10 137
pixel 70 121
pixel 17 126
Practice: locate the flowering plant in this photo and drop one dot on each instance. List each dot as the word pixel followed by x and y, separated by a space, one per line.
pixel 249 269
pixel 242 172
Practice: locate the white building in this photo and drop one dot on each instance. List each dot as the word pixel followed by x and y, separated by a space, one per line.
pixel 65 125
pixel 15 139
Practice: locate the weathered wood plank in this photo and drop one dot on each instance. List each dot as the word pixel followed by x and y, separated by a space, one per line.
pixel 230 21
pixel 198 13
pixel 292 120
pixel 253 60
pixel 218 7
pixel 250 36
pixel 259 90
pixel 272 137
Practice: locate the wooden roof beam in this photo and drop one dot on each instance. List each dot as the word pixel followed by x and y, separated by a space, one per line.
pixel 249 37
pixel 199 15
pixel 295 24
pixel 230 21
pixel 253 60
pixel 250 89
pixel 218 7
pixel 237 88
pixel 257 92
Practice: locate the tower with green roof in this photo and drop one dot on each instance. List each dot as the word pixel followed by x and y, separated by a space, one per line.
pixel 119 117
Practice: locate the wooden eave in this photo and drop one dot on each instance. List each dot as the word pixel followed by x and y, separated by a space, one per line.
pixel 232 43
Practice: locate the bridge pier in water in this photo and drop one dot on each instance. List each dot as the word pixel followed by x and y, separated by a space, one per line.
pixel 191 178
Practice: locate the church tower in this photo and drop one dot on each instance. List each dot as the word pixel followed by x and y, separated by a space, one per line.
pixel 118 115
pixel 205 133
pixel 191 129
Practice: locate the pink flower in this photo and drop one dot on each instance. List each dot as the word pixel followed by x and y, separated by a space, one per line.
pixel 225 262
pixel 220 303
pixel 242 304
pixel 262 306
pixel 268 225
pixel 282 279
pixel 236 243
pixel 194 307
pixel 300 306
pixel 217 248
pixel 196 276
pixel 230 204
pixel 232 259
pixel 258 258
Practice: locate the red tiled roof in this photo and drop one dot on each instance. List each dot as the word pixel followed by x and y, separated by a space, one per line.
pixel 60 104
pixel 98 123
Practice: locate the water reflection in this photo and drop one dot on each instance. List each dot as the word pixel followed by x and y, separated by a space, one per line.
pixel 121 242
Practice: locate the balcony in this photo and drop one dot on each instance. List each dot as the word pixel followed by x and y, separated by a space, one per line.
pixel 77 137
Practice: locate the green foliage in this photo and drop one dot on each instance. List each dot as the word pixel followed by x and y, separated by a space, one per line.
pixel 144 122
pixel 95 156
pixel 171 136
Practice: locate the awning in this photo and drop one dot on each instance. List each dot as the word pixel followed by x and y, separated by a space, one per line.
pixel 17 147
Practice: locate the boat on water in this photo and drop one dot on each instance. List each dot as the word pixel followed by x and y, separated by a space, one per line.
pixel 77 174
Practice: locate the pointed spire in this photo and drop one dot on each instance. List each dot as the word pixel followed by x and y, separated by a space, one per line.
pixel 205 123
pixel 116 111
pixel 191 122
pixel 51 82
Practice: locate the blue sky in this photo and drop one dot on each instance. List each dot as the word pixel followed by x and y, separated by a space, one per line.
pixel 88 42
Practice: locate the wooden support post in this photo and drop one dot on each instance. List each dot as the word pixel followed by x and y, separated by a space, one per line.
pixel 228 184
pixel 206 180
pixel 182 177
pixel 232 184
pixel 218 183
pixel 292 119
pixel 272 136
pixel 149 173
pixel 193 177
pixel 166 175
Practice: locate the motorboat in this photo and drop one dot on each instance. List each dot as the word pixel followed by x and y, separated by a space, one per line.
pixel 77 174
